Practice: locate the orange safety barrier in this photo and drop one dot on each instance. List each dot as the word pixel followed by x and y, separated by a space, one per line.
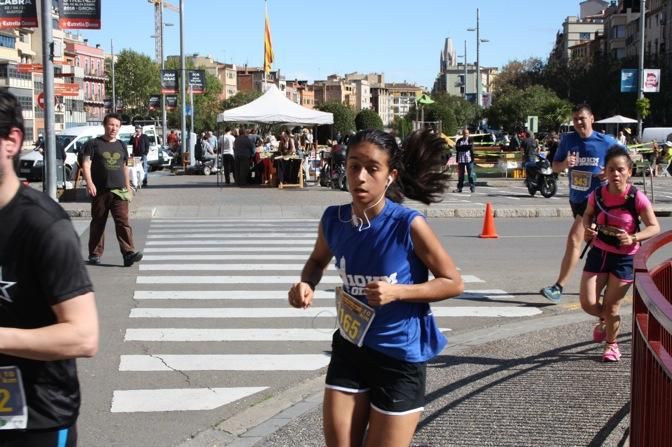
pixel 651 373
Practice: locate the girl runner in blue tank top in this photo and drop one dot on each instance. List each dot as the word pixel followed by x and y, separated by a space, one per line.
pixel 383 253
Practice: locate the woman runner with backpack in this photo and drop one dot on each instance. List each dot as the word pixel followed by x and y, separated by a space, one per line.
pixel 611 221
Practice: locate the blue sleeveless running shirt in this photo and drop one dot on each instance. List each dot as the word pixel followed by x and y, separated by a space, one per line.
pixel 402 330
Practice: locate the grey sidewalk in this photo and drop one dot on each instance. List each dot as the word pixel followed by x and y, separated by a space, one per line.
pixel 198 196
pixel 544 386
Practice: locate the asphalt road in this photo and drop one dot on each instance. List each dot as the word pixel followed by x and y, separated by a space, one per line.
pixel 199 331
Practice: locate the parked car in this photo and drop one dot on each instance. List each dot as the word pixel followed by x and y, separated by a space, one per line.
pixel 72 141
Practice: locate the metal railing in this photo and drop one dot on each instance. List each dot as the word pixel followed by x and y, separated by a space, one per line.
pixel 651 373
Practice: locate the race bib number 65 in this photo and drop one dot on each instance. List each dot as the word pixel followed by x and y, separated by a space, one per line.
pixel 354 317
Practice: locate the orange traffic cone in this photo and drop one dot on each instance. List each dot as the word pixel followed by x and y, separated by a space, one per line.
pixel 489 231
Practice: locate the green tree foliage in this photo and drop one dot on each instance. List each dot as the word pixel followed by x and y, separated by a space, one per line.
pixel 643 107
pixel 440 111
pixel 368 119
pixel 402 126
pixel 344 117
pixel 452 111
pixel 512 107
pixel 136 78
pixel 518 75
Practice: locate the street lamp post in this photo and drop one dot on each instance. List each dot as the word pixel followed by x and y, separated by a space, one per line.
pixel 479 86
pixel 183 85
pixel 464 57
pixel 640 91
pixel 160 55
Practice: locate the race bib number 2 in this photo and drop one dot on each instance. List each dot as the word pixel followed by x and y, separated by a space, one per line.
pixel 13 411
pixel 354 317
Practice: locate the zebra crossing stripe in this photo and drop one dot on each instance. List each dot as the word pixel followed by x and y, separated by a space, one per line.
pixel 246 230
pixel 279 220
pixel 242 256
pixel 203 334
pixel 177 399
pixel 244 362
pixel 222 335
pixel 221 294
pixel 231 236
pixel 322 312
pixel 225 249
pixel 264 279
pixel 224 267
pixel 210 242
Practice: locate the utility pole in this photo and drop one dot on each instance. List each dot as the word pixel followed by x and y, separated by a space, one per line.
pixel 478 59
pixel 183 85
pixel 642 30
pixel 114 93
pixel 49 118
pixel 465 69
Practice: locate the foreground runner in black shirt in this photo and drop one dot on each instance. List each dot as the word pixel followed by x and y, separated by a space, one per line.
pixel 47 307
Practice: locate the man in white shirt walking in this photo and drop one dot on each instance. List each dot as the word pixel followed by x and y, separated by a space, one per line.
pixel 226 148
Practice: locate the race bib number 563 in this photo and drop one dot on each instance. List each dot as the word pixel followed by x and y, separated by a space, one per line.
pixel 354 317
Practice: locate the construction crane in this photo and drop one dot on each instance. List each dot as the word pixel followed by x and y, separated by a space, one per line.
pixel 158 25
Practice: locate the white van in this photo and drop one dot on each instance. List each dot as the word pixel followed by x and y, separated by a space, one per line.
pixel 658 134
pixel 72 140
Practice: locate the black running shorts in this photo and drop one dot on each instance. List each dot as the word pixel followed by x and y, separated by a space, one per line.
pixel 395 387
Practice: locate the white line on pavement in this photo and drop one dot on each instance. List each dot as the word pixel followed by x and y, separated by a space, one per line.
pixel 225 249
pixel 256 334
pixel 233 220
pixel 245 362
pixel 201 229
pixel 234 267
pixel 177 399
pixel 232 236
pixel 180 257
pixel 283 242
pixel 221 294
pixel 322 312
pixel 263 279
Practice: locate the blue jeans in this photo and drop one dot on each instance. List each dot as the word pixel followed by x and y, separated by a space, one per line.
pixel 461 167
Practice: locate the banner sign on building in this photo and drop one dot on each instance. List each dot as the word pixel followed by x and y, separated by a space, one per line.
pixel 171 102
pixel 154 102
pixel 168 82
pixel 197 81
pixel 79 14
pixel 15 14
pixel 629 80
pixel 651 80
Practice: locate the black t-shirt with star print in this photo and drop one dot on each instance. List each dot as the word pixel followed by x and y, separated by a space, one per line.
pixel 41 266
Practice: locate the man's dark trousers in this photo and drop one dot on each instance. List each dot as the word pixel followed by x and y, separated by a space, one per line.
pixel 104 203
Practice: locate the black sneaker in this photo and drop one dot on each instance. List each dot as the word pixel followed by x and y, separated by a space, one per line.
pixel 131 258
pixel 94 260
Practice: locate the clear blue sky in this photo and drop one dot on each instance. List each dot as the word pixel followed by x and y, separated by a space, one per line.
pixel 315 38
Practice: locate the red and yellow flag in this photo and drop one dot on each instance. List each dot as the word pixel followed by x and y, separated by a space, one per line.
pixel 268 44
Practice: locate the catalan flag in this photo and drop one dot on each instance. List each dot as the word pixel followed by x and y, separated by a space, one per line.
pixel 268 44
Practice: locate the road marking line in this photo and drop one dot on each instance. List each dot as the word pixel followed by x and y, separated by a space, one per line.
pixel 221 294
pixel 223 225
pixel 322 312
pixel 232 220
pixel 260 279
pixel 234 267
pixel 243 256
pixel 225 249
pixel 178 399
pixel 210 242
pixel 153 230
pixel 255 334
pixel 245 362
pixel 232 236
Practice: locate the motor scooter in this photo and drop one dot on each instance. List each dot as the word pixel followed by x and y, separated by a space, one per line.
pixel 540 177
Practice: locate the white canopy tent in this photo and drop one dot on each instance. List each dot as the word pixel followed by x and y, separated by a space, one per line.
pixel 616 119
pixel 273 107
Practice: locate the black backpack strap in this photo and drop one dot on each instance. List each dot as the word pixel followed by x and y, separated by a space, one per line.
pixel 631 206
